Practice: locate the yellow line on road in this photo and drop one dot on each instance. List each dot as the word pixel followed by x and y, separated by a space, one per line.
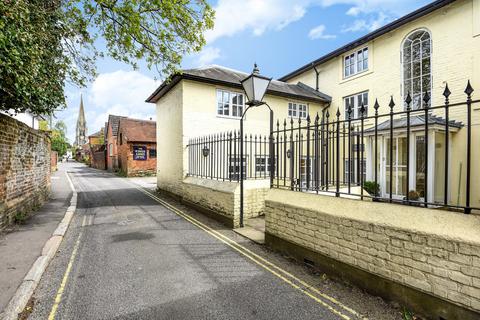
pixel 267 265
pixel 58 297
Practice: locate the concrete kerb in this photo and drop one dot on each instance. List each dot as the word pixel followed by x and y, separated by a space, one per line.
pixel 31 280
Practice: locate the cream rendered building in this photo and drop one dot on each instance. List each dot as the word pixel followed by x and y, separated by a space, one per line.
pixel 209 100
pixel 420 52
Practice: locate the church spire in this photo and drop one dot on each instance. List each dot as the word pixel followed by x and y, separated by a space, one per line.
pixel 81 130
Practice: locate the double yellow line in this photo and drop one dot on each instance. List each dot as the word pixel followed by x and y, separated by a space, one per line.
pixel 333 306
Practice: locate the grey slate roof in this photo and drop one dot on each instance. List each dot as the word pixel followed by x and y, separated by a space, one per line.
pixel 114 121
pixel 415 121
pixel 228 77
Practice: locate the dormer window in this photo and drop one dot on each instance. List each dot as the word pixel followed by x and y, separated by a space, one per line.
pixel 355 62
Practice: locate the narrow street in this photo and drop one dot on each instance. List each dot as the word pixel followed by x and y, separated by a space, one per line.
pixel 127 256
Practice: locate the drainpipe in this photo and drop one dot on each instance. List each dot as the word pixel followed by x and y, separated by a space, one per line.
pixel 317 73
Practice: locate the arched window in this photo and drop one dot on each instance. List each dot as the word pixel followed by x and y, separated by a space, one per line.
pixel 416 57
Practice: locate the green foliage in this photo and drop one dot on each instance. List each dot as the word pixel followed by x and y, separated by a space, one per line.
pixel 44 43
pixel 20 217
pixel 43 125
pixel 413 195
pixel 408 315
pixel 372 188
pixel 58 138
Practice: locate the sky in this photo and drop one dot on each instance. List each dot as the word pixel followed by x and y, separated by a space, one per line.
pixel 279 35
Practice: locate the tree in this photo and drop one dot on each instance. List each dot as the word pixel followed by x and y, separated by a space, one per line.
pixel 44 43
pixel 58 138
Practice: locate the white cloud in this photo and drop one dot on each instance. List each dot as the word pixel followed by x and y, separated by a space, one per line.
pixel 372 24
pixel 119 92
pixel 318 33
pixel 208 55
pixel 258 16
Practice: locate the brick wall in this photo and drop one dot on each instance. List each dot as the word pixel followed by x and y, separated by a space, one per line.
pixel 24 169
pixel 136 167
pixel 433 251
pixel 98 159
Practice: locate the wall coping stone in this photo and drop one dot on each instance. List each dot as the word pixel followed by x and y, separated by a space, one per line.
pixel 446 224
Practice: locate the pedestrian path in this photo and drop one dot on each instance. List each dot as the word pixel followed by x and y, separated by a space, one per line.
pixel 22 244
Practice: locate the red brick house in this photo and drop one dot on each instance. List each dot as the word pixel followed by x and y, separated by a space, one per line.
pixel 137 147
pixel 111 133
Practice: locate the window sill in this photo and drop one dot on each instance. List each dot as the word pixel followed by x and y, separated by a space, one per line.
pixel 228 117
pixel 356 76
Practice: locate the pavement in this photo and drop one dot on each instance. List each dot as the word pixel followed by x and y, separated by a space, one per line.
pixel 253 229
pixel 21 245
pixel 131 254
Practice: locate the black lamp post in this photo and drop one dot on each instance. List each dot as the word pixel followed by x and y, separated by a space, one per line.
pixel 255 86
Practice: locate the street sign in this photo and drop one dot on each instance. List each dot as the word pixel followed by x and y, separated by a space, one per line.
pixel 139 153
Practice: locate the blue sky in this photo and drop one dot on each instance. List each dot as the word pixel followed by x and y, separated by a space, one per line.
pixel 280 35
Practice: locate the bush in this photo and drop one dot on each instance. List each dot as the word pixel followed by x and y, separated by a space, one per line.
pixel 372 188
pixel 413 195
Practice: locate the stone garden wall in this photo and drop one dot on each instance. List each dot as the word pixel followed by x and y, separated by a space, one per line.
pixel 386 248
pixel 24 169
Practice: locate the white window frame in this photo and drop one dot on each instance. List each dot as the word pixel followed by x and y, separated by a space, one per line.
pixel 231 106
pixel 355 62
pixel 357 98
pixel 297 110
pixel 407 84
pixel 110 149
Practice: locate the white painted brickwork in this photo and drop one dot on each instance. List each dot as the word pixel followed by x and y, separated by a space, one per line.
pixel 422 257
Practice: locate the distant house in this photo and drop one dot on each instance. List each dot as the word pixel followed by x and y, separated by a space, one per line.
pixel 26 117
pixel 97 149
pixel 137 147
pixel 111 132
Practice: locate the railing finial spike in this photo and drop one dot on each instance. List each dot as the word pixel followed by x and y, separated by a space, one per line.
pixel 391 104
pixel 469 89
pixel 446 92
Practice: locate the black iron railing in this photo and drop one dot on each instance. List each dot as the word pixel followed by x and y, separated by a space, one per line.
pixel 345 156
pixel 403 156
pixel 218 156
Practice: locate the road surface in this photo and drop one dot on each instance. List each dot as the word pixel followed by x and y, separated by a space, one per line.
pixel 128 256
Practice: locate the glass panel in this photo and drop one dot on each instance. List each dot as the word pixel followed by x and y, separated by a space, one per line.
pixel 416 69
pixel 387 165
pixel 426 48
pixel 416 85
pixel 365 59
pixel 416 102
pixel 426 66
pixel 407 53
pixel 407 71
pixel 402 166
pixel 439 166
pixel 352 68
pixel 420 165
pixel 416 51
pixel 408 87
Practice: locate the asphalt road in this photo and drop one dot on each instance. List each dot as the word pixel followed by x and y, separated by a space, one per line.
pixel 126 256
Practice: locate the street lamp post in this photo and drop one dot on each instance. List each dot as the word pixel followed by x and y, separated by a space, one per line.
pixel 255 86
